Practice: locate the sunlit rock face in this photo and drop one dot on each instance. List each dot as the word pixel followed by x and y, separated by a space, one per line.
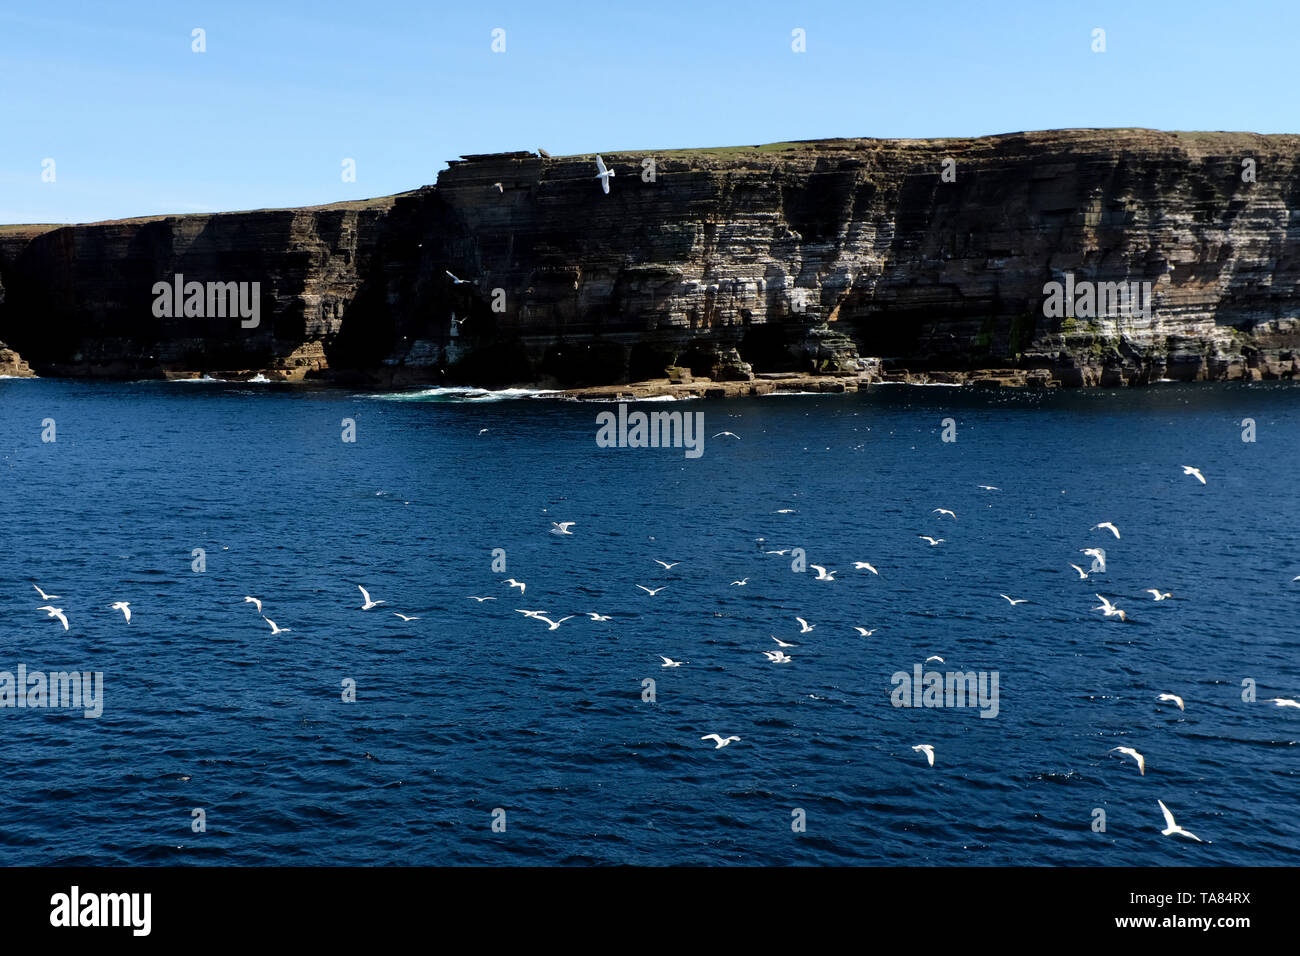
pixel 929 257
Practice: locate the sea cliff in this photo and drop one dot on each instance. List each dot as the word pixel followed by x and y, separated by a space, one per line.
pixel 845 260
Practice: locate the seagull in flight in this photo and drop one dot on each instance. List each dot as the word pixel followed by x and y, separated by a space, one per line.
pixel 55 612
pixel 667 566
pixel 404 617
pixel 651 591
pixel 804 626
pixel 778 657
pixel 740 584
pixel 928 750
pixel 256 602
pixel 732 434
pixel 275 628
pixel 863 632
pixel 553 624
pixel 1141 761
pixel 1108 526
pixel 454 279
pixel 562 527
pixel 1157 594
pixel 865 566
pixel 1110 609
pixel 597 617
pixel 1172 828
pixel 781 643
pixel 512 583
pixel 934 657
pixel 669 662
pixel 530 613
pixel 933 541
pixel 44 596
pixel 787 551
pixel 1173 699
pixel 945 511
pixel 823 574
pixel 1097 555
pixel 473 597
pixel 1194 472
pixel 1082 573
pixel 603 175
pixel 722 741
pixel 1014 601
pixel 369 603
pixel 988 488
pixel 1284 702
pixel 124 607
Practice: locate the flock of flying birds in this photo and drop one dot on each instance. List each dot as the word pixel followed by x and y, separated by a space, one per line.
pixel 779 655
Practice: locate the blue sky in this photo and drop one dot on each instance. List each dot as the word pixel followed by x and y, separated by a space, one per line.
pixel 138 124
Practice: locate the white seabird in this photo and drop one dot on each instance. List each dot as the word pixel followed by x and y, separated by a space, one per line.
pixel 928 750
pixel 1172 828
pixel 1110 609
pixel 722 741
pixel 1194 472
pixel 1141 761
pixel 553 624
pixel 369 603
pixel 124 607
pixel 604 174
pixel 1098 555
pixel 55 612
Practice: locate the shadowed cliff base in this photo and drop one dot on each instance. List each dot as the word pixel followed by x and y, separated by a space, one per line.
pixel 838 261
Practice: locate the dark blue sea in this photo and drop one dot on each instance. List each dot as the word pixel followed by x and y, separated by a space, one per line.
pixel 474 714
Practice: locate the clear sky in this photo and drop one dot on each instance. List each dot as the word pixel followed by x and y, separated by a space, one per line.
pixel 137 123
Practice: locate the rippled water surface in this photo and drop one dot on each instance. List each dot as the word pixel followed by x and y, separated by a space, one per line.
pixel 473 707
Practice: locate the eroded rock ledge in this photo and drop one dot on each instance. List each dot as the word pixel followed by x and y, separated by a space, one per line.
pixel 847 260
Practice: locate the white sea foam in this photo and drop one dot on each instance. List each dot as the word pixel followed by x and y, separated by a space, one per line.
pixel 632 401
pixel 460 393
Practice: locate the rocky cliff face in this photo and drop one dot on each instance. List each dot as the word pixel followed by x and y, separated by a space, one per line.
pixel 863 257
